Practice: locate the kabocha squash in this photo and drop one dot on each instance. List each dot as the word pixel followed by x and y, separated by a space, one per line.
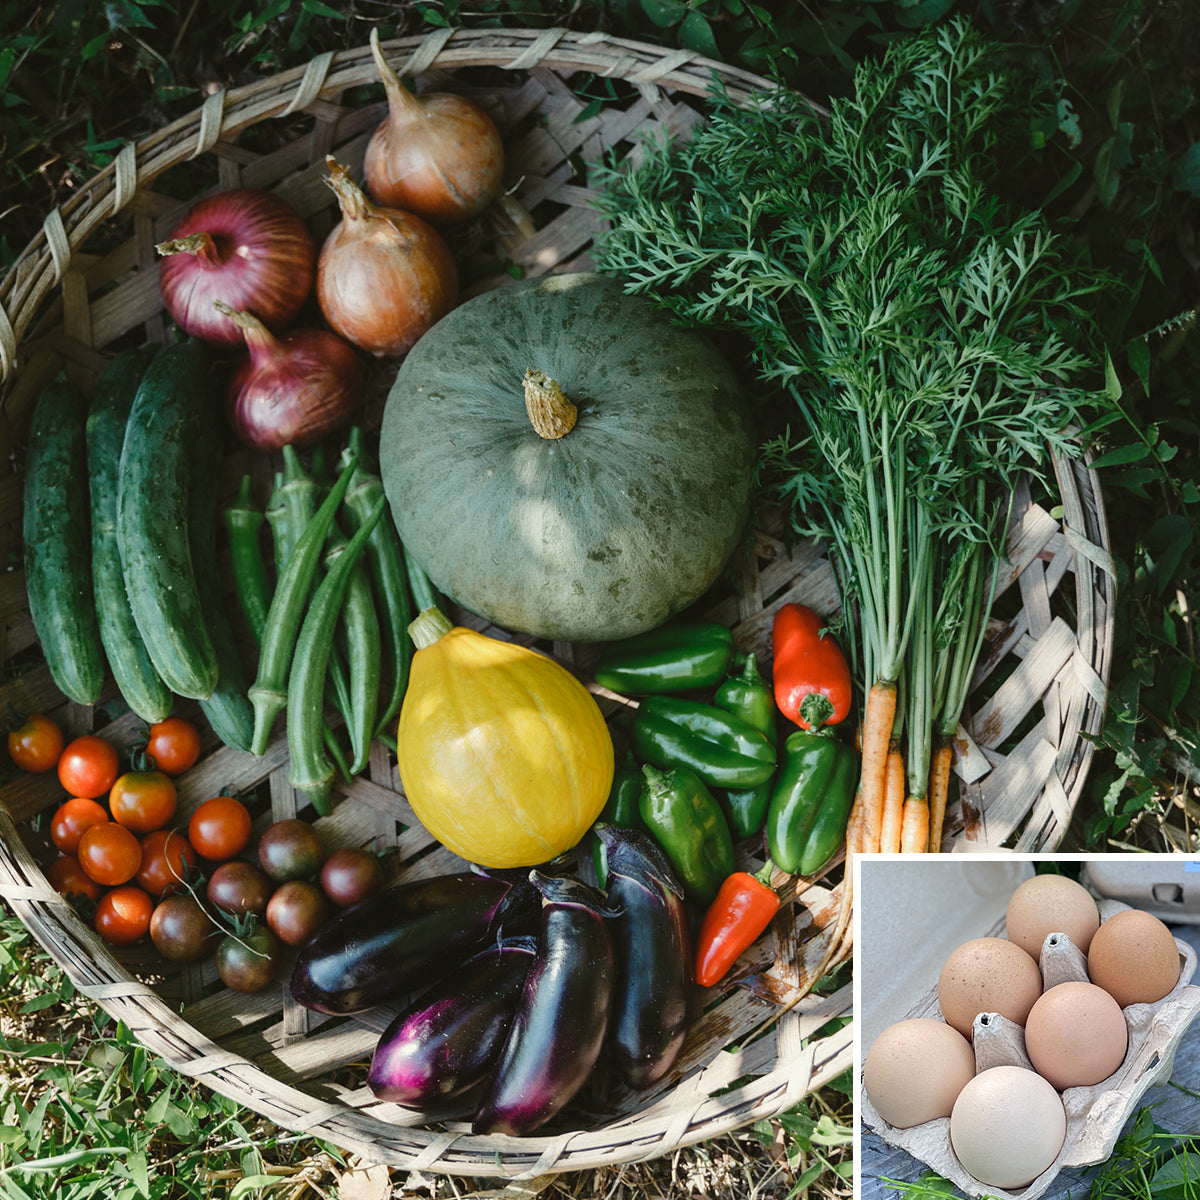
pixel 503 754
pixel 564 462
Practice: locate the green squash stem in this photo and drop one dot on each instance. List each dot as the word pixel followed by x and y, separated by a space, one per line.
pixel 428 626
pixel 550 412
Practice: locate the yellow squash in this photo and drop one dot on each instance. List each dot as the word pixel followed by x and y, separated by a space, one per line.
pixel 504 755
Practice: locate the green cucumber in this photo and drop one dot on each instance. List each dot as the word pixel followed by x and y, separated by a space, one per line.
pixel 58 575
pixel 228 709
pixel 137 680
pixel 152 518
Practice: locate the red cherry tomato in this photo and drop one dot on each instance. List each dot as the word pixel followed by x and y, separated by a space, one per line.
pixel 68 879
pixel 220 828
pixel 143 800
pixel 123 915
pixel 167 859
pixel 35 746
pixel 174 745
pixel 71 818
pixel 110 853
pixel 88 766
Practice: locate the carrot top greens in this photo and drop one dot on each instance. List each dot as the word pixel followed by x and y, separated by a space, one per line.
pixel 934 337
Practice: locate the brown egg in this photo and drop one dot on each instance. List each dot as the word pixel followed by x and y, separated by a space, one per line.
pixel 1049 904
pixel 1134 958
pixel 915 1069
pixel 1076 1035
pixel 988 974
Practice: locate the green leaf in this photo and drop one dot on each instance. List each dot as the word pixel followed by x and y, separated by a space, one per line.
pixel 1122 455
pixel 1068 123
pixel 914 13
pixel 1187 170
pixel 250 1185
pixel 665 13
pixel 696 34
pixel 316 8
pixel 1178 1178
pixel 1137 354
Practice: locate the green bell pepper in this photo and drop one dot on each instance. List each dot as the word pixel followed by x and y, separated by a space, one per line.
pixel 682 657
pixel 747 694
pixel 621 808
pixel 811 801
pixel 724 750
pixel 686 821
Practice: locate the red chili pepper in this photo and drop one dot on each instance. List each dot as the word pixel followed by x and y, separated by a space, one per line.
pixel 811 675
pixel 742 910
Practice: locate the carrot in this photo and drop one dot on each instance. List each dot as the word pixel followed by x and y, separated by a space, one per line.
pixel 854 831
pixel 893 800
pixel 878 715
pixel 939 789
pixel 914 835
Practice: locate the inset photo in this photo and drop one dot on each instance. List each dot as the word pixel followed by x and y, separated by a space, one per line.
pixel 1028 1026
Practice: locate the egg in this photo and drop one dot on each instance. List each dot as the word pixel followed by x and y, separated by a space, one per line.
pixel 1134 958
pixel 987 974
pixel 1076 1035
pixel 1007 1126
pixel 915 1069
pixel 1049 904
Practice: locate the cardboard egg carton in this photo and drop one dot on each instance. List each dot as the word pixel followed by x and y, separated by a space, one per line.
pixel 1095 1115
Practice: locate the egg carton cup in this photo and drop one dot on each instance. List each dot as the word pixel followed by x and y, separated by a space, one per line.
pixel 1095 1115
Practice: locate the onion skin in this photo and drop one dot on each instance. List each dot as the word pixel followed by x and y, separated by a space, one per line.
pixel 245 247
pixel 291 390
pixel 384 276
pixel 438 155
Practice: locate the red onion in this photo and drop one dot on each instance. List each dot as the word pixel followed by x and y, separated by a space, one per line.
pixel 438 155
pixel 246 248
pixel 384 276
pixel 291 390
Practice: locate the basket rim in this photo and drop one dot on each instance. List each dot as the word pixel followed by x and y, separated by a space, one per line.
pixel 46 258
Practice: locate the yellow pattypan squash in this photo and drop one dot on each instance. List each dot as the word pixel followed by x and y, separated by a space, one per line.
pixel 503 754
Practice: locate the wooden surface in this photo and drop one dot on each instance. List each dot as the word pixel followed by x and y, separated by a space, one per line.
pixel 1174 1110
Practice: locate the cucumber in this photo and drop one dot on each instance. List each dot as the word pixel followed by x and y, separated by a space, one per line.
pixel 228 709
pixel 137 680
pixel 152 517
pixel 58 574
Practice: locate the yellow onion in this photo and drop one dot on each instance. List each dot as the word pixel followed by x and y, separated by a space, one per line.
pixel 384 276
pixel 438 155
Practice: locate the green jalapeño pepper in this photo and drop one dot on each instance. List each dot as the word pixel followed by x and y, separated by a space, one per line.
pixel 683 657
pixel 724 750
pixel 620 809
pixel 811 801
pixel 747 694
pixel 686 821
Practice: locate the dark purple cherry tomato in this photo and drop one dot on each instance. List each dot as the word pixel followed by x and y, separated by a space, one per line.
pixel 239 887
pixel 247 962
pixel 350 875
pixel 181 930
pixel 296 910
pixel 290 849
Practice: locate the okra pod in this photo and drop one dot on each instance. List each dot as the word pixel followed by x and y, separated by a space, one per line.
pixel 269 693
pixel 243 520
pixel 311 772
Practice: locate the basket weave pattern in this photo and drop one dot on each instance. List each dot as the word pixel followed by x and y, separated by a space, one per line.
pixel 90 280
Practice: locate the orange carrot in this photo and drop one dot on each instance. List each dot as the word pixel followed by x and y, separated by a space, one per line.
pixel 939 790
pixel 893 800
pixel 914 836
pixel 879 713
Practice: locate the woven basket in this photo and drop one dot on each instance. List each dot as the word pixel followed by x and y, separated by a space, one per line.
pixel 763 1040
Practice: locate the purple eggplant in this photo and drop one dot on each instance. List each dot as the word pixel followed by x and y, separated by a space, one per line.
pixel 558 1031
pixel 446 1042
pixel 406 937
pixel 651 1007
